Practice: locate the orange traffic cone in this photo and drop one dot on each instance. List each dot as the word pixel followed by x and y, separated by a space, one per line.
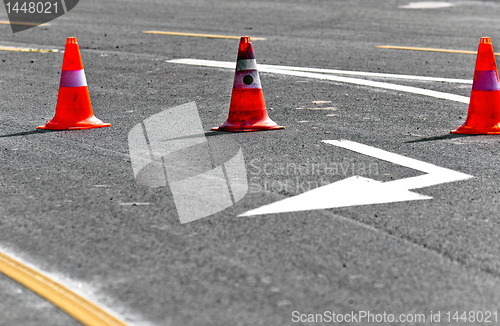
pixel 73 110
pixel 247 111
pixel 484 105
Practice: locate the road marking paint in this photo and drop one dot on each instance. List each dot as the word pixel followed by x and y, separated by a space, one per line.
pixel 426 49
pixel 321 102
pixel 201 35
pixel 362 82
pixel 357 190
pixel 134 204
pixel 77 307
pixel 435 174
pixel 21 23
pixel 14 49
pixel 223 64
pixel 330 108
pixel 370 74
pixel 426 5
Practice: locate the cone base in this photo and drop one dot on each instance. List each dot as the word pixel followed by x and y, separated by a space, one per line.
pixel 465 130
pixel 247 112
pixel 245 130
pixel 90 123
pixel 260 126
pixel 74 111
pixel 483 116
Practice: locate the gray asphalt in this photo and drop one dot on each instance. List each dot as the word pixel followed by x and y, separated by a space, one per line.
pixel 64 196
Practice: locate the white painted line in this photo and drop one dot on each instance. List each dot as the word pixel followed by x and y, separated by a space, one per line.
pixel 225 64
pixel 363 82
pixel 370 83
pixel 372 74
pixel 358 190
pixel 426 5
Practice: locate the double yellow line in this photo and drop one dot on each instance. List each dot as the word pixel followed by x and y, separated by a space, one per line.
pixel 80 309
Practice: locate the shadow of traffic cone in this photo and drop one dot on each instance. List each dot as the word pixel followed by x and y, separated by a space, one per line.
pixel 483 116
pixel 73 110
pixel 247 110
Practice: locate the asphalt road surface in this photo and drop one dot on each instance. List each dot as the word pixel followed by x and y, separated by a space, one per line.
pixel 71 207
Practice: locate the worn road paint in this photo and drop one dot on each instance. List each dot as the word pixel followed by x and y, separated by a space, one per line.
pixel 410 48
pixel 14 49
pixel 21 23
pixel 201 35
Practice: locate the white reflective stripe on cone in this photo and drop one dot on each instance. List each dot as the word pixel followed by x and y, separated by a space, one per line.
pixel 246 64
pixel 73 78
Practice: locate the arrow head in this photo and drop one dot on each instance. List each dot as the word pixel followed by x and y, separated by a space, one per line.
pixel 352 191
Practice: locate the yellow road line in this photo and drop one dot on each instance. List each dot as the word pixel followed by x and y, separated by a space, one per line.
pixel 201 35
pixel 426 49
pixel 21 23
pixel 9 48
pixel 82 310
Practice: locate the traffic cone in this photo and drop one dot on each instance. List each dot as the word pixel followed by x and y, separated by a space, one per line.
pixel 484 104
pixel 73 110
pixel 247 110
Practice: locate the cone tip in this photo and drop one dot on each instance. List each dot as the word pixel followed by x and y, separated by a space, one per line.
pixel 71 40
pixel 245 39
pixel 485 40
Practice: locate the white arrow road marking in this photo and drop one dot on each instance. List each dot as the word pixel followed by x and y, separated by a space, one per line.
pixel 356 81
pixel 436 174
pixel 358 190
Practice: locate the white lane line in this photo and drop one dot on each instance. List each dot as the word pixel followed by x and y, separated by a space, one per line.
pixel 371 74
pixel 426 5
pixel 357 190
pixel 363 82
pixel 225 64
pixel 370 83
